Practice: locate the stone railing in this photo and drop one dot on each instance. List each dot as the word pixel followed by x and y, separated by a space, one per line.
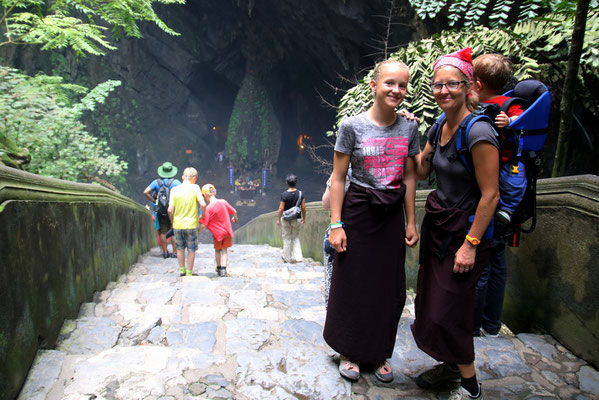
pixel 553 274
pixel 61 241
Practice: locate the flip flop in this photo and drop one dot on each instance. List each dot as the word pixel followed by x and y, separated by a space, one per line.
pixel 349 370
pixel 383 376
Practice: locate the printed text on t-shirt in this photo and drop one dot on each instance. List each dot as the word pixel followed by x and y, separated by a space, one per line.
pixel 384 158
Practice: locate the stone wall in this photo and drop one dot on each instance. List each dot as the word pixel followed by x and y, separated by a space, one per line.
pixel 553 275
pixel 61 241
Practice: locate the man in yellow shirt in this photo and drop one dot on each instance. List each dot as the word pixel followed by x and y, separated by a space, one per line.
pixel 183 212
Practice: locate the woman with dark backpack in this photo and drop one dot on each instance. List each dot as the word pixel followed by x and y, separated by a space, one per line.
pixel 292 214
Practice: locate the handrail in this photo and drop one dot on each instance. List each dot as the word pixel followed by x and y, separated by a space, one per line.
pixel 21 185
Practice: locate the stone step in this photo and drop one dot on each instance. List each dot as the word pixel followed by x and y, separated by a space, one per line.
pixel 257 334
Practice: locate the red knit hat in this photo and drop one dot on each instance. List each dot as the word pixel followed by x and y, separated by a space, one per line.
pixel 461 59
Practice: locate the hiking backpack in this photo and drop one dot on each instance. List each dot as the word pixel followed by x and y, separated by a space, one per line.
pixel 162 197
pixel 520 147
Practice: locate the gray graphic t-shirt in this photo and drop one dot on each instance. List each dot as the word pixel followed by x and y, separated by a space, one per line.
pixel 378 154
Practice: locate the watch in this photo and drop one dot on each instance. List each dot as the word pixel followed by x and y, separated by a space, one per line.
pixel 473 241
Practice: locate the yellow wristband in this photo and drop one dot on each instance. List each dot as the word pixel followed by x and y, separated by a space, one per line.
pixel 473 241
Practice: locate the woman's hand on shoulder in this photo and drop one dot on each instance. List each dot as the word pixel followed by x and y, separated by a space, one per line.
pixel 409 116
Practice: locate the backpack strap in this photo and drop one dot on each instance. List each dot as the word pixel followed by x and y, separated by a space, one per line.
pixel 514 100
pixel 169 182
pixel 436 134
pixel 160 182
pixel 462 139
pixel 519 142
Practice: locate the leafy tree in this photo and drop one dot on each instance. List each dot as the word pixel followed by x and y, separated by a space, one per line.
pixel 499 13
pixel 472 13
pixel 56 140
pixel 39 116
pixel 567 103
pixel 538 48
pixel 78 24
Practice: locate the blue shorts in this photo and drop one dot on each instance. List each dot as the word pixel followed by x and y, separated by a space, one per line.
pixel 186 239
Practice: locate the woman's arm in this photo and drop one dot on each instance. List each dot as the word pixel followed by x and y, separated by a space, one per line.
pixel 326 199
pixel 485 158
pixel 423 162
pixel 281 208
pixel 410 202
pixel 337 236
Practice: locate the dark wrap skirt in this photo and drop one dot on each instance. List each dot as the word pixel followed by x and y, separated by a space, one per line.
pixel 444 299
pixel 368 286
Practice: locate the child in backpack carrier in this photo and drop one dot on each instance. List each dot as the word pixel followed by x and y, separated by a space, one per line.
pixel 491 74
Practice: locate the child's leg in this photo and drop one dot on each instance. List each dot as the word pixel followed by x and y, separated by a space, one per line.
pixel 178 237
pixel 217 256
pixel 224 257
pixel 192 246
pixel 181 257
pixel 191 255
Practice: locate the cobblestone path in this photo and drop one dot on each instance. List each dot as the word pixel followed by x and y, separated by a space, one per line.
pixel 257 334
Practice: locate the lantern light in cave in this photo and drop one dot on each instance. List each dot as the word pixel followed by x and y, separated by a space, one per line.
pixel 214 128
pixel 188 151
pixel 301 141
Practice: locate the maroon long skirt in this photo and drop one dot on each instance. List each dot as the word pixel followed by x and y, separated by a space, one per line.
pixel 368 289
pixel 444 299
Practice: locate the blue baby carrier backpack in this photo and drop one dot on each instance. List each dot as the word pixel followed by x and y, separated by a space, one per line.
pixel 521 144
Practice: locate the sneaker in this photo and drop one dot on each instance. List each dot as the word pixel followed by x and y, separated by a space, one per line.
pixel 483 332
pixel 462 393
pixel 222 271
pixel 182 271
pixel 437 376
pixel 188 272
pixel 173 255
pixel 164 255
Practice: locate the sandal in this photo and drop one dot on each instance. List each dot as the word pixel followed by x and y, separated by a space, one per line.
pixel 349 370
pixel 384 373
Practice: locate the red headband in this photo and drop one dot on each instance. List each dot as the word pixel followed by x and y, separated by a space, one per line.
pixel 461 59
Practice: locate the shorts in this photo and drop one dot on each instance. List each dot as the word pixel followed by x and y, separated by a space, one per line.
pixel 223 244
pixel 164 223
pixel 186 239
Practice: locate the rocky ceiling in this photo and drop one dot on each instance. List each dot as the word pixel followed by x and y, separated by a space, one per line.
pixel 178 91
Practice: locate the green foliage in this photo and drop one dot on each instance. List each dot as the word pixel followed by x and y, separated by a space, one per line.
pixel 538 48
pixel 39 115
pixel 77 24
pixel 254 135
pixel 472 13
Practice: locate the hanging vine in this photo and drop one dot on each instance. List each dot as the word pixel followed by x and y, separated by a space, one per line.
pixel 253 127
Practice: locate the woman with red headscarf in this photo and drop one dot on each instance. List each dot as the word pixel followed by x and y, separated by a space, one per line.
pixel 453 251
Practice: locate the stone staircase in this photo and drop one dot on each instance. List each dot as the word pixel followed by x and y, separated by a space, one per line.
pixel 257 334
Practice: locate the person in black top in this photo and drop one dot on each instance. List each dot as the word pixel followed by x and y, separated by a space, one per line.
pixel 292 250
